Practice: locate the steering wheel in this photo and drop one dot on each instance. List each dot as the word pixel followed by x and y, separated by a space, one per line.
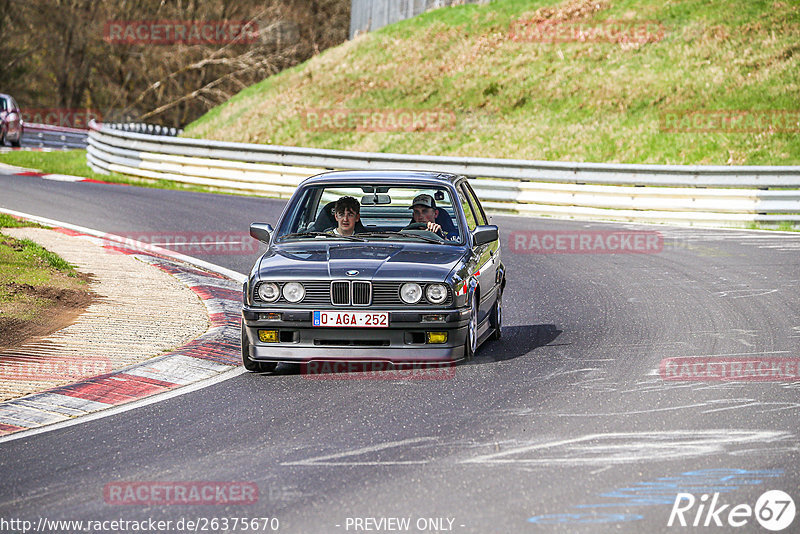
pixel 421 228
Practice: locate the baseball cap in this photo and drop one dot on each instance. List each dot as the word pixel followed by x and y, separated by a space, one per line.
pixel 423 200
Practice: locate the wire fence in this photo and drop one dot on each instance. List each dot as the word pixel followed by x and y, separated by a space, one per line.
pixel 369 15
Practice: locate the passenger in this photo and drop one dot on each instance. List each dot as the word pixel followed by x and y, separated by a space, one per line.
pixel 347 213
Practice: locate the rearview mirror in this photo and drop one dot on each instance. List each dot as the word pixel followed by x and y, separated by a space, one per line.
pixel 485 234
pixel 373 200
pixel 261 231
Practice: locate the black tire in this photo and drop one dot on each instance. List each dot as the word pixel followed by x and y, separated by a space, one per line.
pixel 496 319
pixel 250 365
pixel 471 343
pixel 17 143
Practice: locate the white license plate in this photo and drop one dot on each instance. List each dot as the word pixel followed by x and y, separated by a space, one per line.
pixel 351 319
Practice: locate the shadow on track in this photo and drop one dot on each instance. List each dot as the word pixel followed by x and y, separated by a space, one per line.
pixel 517 341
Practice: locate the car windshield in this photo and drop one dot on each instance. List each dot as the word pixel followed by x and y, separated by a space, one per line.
pixel 373 213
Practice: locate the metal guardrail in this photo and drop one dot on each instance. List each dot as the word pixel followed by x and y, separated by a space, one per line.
pixel 144 128
pixel 47 136
pixel 715 195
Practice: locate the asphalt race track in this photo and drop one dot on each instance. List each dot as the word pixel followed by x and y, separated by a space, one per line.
pixel 564 425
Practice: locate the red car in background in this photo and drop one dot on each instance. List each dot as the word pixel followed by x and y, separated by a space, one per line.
pixel 11 127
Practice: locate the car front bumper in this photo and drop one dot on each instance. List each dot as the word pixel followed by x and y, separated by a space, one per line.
pixel 403 341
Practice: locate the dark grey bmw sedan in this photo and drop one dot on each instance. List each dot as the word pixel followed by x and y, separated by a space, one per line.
pixel 395 267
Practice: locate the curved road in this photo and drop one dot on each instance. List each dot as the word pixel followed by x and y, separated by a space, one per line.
pixel 563 425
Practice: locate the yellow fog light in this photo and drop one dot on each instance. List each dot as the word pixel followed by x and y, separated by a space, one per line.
pixel 436 337
pixel 268 336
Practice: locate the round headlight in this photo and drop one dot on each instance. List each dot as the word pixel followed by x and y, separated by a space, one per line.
pixel 269 292
pixel 294 292
pixel 436 293
pixel 410 293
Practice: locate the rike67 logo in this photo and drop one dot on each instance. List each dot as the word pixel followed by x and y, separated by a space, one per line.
pixel 774 510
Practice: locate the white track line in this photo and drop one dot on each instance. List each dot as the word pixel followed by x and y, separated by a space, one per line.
pixel 126 241
pixel 233 373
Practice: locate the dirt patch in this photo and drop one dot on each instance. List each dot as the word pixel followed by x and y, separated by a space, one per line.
pixel 568 11
pixel 14 244
pixel 61 307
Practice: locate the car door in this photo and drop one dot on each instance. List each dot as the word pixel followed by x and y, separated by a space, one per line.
pixel 3 112
pixel 497 269
pixel 15 119
pixel 485 265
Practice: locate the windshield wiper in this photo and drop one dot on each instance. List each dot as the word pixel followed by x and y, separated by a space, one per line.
pixel 324 234
pixel 403 234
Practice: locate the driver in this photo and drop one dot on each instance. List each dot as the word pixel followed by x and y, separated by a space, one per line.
pixel 425 211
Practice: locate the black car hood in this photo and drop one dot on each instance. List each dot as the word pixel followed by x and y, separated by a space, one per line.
pixel 390 261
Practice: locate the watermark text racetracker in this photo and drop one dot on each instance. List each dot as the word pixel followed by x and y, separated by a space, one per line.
pixel 378 120
pixel 730 121
pixel 66 117
pixel 571 31
pixel 119 526
pixel 376 370
pixel 155 493
pixel 188 32
pixel 23 368
pixel 211 242
pixel 718 368
pixel 586 242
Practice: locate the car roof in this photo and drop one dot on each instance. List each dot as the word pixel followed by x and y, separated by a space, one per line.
pixel 384 177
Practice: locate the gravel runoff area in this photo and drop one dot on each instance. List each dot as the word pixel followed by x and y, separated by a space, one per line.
pixel 141 312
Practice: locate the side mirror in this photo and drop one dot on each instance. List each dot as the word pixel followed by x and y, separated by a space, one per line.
pixel 261 231
pixel 485 234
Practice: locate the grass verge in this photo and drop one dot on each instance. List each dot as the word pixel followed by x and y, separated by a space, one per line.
pixel 7 221
pixel 39 290
pixel 586 101
pixel 785 226
pixel 73 163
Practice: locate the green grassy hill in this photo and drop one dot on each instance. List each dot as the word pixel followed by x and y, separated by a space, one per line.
pixel 571 101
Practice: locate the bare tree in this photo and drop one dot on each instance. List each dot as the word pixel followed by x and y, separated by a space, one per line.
pixel 61 52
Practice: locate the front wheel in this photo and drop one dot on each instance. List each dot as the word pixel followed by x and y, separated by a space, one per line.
pixel 250 365
pixel 496 318
pixel 471 343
